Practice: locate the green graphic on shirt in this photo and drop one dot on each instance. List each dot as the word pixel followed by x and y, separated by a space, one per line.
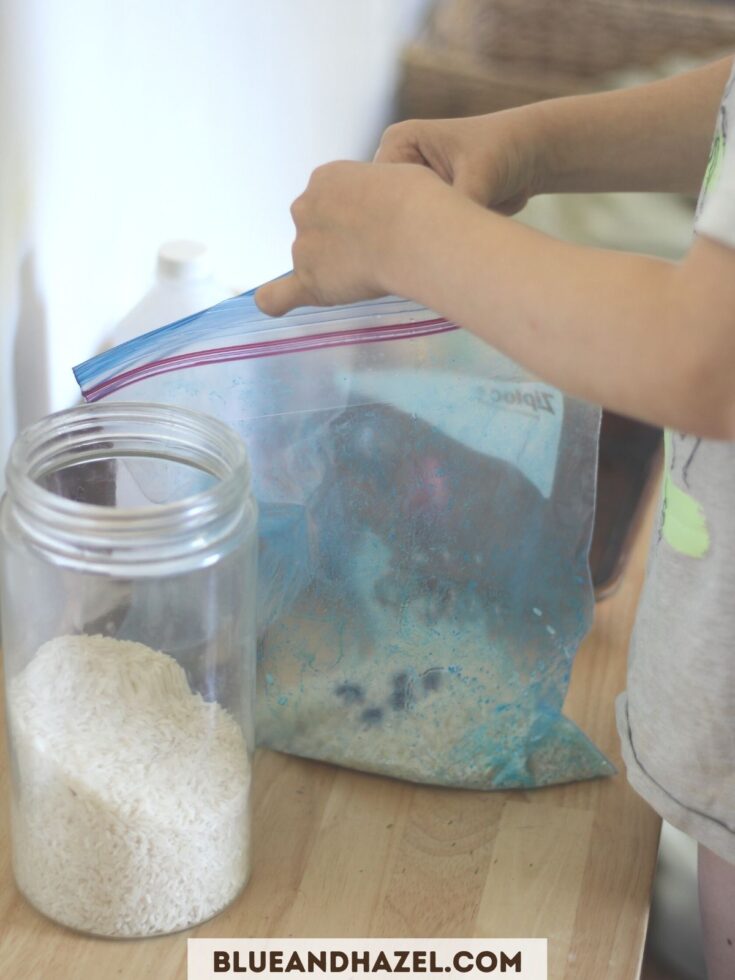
pixel 717 149
pixel 684 525
pixel 714 164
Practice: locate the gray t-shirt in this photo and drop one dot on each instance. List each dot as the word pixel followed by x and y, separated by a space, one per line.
pixel 677 719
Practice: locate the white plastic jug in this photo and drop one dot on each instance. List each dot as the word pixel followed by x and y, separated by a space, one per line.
pixel 184 285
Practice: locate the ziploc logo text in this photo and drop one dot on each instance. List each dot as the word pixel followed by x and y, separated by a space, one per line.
pixel 535 399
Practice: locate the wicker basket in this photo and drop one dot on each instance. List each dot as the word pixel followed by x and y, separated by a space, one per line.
pixel 483 55
pixel 581 37
pixel 440 84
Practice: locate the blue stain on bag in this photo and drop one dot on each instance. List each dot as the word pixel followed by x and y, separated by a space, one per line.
pixel 426 510
pixel 286 559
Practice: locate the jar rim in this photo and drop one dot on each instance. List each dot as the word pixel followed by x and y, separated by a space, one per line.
pixel 72 528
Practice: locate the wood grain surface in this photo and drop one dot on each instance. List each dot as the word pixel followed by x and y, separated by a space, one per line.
pixel 339 853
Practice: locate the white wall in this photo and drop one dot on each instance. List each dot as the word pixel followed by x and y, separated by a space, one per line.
pixel 123 124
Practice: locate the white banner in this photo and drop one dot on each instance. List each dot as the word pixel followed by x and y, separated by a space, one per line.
pixel 350 959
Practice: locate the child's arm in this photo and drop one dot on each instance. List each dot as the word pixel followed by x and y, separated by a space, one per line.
pixel 653 137
pixel 642 336
pixel 645 337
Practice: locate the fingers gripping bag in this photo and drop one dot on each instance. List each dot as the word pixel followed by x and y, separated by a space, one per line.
pixel 426 510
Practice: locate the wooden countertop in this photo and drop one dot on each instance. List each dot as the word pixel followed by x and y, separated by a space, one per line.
pixel 339 853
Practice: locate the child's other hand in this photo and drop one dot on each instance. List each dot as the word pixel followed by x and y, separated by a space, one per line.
pixel 346 244
pixel 493 159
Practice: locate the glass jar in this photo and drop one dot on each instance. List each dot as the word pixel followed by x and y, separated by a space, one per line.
pixel 128 618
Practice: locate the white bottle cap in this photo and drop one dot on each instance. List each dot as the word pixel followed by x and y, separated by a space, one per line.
pixel 183 260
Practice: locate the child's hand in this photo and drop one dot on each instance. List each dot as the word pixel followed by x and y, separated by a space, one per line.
pixel 493 159
pixel 346 246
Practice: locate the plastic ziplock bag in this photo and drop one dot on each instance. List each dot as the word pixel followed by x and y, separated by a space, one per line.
pixel 426 509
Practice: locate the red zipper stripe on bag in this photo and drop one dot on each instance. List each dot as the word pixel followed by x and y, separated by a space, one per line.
pixel 269 348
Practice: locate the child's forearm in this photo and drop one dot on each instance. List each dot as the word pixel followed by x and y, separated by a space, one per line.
pixel 655 137
pixel 641 336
